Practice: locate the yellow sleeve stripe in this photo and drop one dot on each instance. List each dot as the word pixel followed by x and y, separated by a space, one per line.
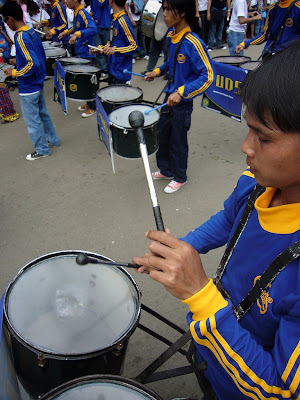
pixel 248 173
pixel 29 65
pixel 206 62
pixel 132 42
pixel 245 369
pixel 295 382
pixel 84 18
pixel 291 363
pixel 62 17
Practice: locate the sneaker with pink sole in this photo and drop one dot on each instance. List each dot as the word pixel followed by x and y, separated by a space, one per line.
pixel 173 186
pixel 158 175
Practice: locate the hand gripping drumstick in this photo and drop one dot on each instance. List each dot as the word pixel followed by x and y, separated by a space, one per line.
pixel 154 108
pixel 43 33
pixel 125 71
pixel 136 120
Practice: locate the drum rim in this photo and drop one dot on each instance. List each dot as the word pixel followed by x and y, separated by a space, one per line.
pixel 121 101
pixel 96 378
pixel 78 58
pixel 130 128
pixel 82 72
pixel 249 62
pixel 227 57
pixel 69 356
pixel 55 55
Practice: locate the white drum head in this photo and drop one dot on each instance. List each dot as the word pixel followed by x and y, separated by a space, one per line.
pixel 120 115
pixel 55 52
pixel 119 93
pixel 82 69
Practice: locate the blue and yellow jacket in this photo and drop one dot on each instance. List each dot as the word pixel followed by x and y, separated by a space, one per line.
pixel 85 29
pixel 30 68
pixel 100 11
pixel 291 30
pixel 258 357
pixel 58 20
pixel 193 72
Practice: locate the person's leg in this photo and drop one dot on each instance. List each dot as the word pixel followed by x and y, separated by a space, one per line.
pixel 212 35
pixel 234 39
pixel 164 134
pixel 154 52
pixel 30 110
pixel 141 42
pixel 101 39
pixel 219 31
pixel 49 128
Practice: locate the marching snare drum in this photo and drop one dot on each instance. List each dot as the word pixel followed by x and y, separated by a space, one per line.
pixel 67 320
pixel 82 81
pixel 75 60
pixel 152 20
pixel 232 60
pixel 49 44
pixel 115 96
pixel 250 65
pixel 52 53
pixel 124 139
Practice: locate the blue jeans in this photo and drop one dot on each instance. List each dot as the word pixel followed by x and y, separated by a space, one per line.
pixel 215 34
pixel 234 39
pixel 172 154
pixel 101 39
pixel 39 124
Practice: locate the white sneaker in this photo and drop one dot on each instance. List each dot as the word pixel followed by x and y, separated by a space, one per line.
pixel 146 57
pixel 173 186
pixel 133 61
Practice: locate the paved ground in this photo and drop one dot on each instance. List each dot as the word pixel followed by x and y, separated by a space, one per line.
pixel 72 200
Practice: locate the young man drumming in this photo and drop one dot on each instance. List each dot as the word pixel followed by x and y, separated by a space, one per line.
pixel 189 74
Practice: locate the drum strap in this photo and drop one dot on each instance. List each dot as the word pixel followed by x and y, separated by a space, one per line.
pixel 266 279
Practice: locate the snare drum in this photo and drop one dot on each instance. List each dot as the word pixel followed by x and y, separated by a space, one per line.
pixel 82 81
pixel 152 20
pixel 251 65
pixel 52 53
pixel 104 387
pixel 232 60
pixel 75 60
pixel 49 44
pixel 67 320
pixel 115 96
pixel 124 139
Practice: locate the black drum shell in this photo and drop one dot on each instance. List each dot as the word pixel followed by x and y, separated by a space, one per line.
pixel 80 87
pixel 109 105
pixel 50 60
pixel 39 372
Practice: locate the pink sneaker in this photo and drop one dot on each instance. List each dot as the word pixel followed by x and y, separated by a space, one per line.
pixel 158 175
pixel 173 186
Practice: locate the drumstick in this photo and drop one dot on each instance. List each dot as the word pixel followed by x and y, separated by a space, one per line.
pixel 154 108
pixel 136 120
pixel 125 71
pixel 83 259
pixel 92 47
pixel 39 31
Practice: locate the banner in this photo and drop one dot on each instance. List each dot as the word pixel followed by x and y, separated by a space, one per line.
pixel 222 95
pixel 104 130
pixel 60 86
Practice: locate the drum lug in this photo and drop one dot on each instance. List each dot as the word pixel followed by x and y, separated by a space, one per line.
pixel 125 132
pixel 41 360
pixel 118 349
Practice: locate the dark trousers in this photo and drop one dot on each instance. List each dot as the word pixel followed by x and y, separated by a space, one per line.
pixel 172 154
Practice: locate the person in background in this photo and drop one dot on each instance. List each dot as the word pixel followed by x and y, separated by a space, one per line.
pixel 201 24
pixel 135 21
pixel 216 12
pixel 57 22
pixel 35 15
pixel 70 14
pixel 30 72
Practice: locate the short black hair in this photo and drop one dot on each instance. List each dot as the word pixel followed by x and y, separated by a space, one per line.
pixel 32 6
pixel 12 9
pixel 120 3
pixel 273 89
pixel 183 6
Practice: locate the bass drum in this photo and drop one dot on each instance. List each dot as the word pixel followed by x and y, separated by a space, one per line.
pixel 82 82
pixel 152 20
pixel 104 387
pixel 66 320
pixel 115 96
pixel 52 53
pixel 124 139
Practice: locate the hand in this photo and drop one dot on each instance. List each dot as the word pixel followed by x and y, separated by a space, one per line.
pixel 61 35
pixel 257 17
pixel 73 39
pixel 149 76
pixel 208 16
pixel 8 72
pixel 173 99
pixel 239 48
pixel 108 50
pixel 49 34
pixel 174 263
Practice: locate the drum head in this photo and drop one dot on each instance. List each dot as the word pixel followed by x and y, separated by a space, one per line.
pixel 119 93
pixel 82 69
pixel 251 65
pixel 161 28
pixel 55 52
pixel 232 60
pixel 102 387
pixel 120 115
pixel 75 60
pixel 60 307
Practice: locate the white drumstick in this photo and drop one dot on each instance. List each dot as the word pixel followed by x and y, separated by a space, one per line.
pixel 94 47
pixel 39 31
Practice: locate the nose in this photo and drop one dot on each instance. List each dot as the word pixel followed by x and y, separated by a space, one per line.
pixel 248 145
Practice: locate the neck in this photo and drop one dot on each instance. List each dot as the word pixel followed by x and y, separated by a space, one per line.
pixel 116 9
pixel 285 196
pixel 181 26
pixel 19 24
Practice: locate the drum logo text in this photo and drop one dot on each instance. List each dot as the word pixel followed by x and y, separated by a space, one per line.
pixel 148 18
pixel 73 87
pixel 264 300
pixel 181 58
pixel 289 22
pixel 223 82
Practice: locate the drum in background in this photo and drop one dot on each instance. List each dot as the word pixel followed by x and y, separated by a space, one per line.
pixel 237 61
pixel 124 139
pixel 75 60
pixel 104 387
pixel 66 320
pixel 250 65
pixel 115 96
pixel 152 20
pixel 49 44
pixel 82 81
pixel 52 53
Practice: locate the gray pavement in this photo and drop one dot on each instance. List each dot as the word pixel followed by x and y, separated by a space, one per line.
pixel 72 200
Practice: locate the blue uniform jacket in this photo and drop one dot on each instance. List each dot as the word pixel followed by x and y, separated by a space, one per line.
pixel 101 13
pixel 58 20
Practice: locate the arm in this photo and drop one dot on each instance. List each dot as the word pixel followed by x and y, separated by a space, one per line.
pixel 90 29
pixel 208 9
pixel 27 56
pixel 61 20
pixel 129 38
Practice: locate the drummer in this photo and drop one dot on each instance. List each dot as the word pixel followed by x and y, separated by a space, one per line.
pixel 189 74
pixel 58 21
pixel 123 45
pixel 84 29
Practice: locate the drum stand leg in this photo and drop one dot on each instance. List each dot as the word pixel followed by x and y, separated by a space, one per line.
pixel 149 375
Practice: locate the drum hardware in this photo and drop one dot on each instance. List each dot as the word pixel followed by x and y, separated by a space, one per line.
pixel 147 112
pixel 125 71
pixel 83 259
pixel 137 120
pixel 41 360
